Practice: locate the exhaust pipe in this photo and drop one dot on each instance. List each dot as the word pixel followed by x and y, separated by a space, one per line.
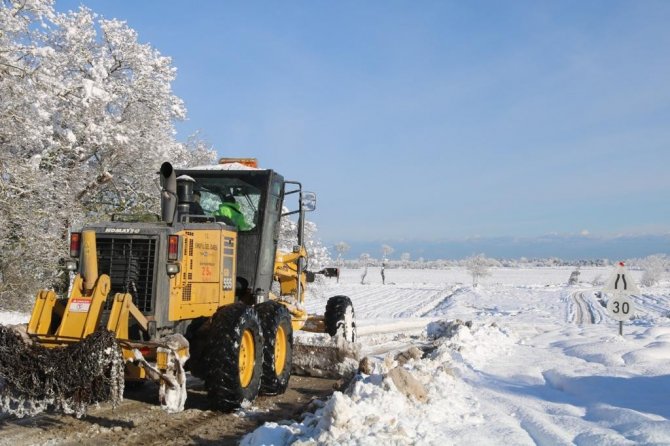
pixel 89 266
pixel 184 195
pixel 168 193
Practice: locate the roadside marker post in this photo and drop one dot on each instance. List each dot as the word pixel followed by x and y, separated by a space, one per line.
pixel 620 287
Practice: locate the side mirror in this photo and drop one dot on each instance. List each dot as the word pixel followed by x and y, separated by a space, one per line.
pixel 308 201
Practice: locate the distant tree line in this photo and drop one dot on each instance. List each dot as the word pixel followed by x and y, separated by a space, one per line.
pixel 406 262
pixel 654 267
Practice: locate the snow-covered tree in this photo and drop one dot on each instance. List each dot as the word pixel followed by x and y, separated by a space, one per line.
pixel 404 257
pixel 113 121
pixel 365 259
pixel 341 248
pixel 196 151
pixel 478 267
pixel 318 254
pixel 86 117
pixel 386 251
pixel 654 267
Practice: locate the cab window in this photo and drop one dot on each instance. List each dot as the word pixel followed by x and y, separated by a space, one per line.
pixel 247 198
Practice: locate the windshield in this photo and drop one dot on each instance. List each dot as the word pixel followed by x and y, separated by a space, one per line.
pixel 232 200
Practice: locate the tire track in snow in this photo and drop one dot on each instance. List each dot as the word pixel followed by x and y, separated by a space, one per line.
pixel 396 302
pixel 388 302
pixel 444 303
pixel 390 317
pixel 580 310
pixel 597 310
pixel 656 305
pixel 587 309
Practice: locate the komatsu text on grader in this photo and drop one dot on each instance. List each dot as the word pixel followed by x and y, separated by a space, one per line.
pixel 189 291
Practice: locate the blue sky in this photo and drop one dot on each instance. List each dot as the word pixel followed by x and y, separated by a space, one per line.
pixel 434 120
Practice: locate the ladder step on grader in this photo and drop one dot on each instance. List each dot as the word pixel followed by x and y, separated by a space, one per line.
pixel 203 289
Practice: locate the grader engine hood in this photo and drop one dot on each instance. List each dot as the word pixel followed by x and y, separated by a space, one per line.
pixel 135 257
pixel 106 324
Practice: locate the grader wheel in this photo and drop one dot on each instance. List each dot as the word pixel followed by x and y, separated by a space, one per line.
pixel 339 318
pixel 233 356
pixel 277 347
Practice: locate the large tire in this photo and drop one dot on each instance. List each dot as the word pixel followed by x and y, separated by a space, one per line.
pixel 197 335
pixel 233 358
pixel 340 318
pixel 277 347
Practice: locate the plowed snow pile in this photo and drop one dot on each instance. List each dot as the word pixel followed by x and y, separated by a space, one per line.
pixel 525 372
pixel 355 417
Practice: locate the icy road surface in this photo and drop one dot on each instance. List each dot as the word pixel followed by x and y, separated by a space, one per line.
pixel 541 364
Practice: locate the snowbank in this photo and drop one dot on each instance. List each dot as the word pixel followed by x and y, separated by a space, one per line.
pixel 354 417
pixel 541 363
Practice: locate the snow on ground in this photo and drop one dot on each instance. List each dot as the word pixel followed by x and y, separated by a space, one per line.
pixel 13 318
pixel 541 364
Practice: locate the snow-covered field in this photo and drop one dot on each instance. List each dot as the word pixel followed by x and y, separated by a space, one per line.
pixel 542 363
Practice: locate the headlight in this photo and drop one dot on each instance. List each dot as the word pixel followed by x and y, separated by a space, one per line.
pixel 172 268
pixel 71 265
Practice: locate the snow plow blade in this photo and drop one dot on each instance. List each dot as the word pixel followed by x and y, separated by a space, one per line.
pixel 325 357
pixel 34 378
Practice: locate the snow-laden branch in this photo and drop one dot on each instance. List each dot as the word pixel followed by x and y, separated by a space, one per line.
pixel 82 132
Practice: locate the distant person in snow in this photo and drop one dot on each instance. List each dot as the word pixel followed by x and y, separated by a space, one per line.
pixel 231 210
pixel 383 277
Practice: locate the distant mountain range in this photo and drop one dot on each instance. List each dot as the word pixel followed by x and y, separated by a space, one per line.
pixel 567 247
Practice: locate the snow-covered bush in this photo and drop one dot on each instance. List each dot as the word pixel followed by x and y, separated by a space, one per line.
pixel 654 268
pixel 574 277
pixel 478 267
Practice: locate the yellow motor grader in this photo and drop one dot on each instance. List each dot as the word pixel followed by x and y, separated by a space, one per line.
pixel 193 290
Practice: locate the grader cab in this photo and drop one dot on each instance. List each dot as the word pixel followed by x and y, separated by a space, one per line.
pixel 192 291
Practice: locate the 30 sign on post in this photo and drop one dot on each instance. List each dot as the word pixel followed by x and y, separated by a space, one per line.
pixel 620 307
pixel 620 287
